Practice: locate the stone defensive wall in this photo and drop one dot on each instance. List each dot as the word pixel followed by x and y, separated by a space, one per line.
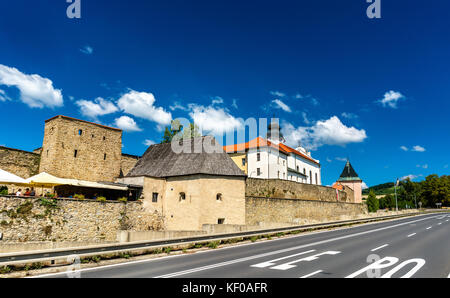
pixel 284 189
pixel 262 210
pixel 70 220
pixel 18 162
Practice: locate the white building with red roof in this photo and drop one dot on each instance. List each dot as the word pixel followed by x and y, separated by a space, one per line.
pixel 271 159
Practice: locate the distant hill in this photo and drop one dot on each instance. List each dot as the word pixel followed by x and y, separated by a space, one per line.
pixel 381 189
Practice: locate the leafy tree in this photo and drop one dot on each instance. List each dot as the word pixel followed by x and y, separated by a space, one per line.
pixel 192 131
pixel 171 131
pixel 372 202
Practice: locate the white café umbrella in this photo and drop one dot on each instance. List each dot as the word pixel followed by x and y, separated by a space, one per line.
pixel 8 178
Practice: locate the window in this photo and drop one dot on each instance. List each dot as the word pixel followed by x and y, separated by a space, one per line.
pixel 93 136
pixel 243 161
pixel 317 182
pixel 310 177
pixel 104 156
pixel 258 172
pixel 182 196
pixel 258 157
pixel 104 138
pixel 284 175
pixel 155 197
pixel 80 132
pixel 221 221
pixel 298 169
pixel 284 162
pixel 278 174
pixel 47 153
pixel 304 171
pixel 75 154
pixel 219 197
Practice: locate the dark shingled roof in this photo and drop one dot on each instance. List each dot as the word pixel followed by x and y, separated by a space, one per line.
pixel 161 161
pixel 349 174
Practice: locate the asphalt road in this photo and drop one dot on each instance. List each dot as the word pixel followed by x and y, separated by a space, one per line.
pixel 409 247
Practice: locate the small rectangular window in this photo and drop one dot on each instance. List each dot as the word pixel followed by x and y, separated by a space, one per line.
pixel 221 221
pixel 104 156
pixel 258 171
pixel 155 197
pixel 258 157
pixel 75 154
pixel 182 196
pixel 80 132
pixel 243 161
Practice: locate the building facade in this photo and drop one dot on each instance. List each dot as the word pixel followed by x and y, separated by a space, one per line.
pixel 73 149
pixel 350 178
pixel 190 189
pixel 271 159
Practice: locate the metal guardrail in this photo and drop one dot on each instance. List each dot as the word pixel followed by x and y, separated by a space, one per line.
pixel 88 251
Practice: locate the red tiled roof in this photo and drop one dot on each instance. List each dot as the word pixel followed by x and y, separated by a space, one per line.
pixel 260 142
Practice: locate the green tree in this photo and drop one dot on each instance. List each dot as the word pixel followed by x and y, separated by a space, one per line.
pixel 372 202
pixel 171 131
pixel 191 132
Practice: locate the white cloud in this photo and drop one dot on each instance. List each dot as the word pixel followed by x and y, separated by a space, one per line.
pixel 98 107
pixel 341 159
pixel 217 100
pixel 127 124
pixel 411 177
pixel 329 160
pixel 305 118
pixel 178 106
pixel 418 149
pixel 425 166
pixel 281 105
pixel 213 120
pixel 234 105
pixel 88 50
pixel 391 99
pixel 3 96
pixel 298 96
pixel 404 148
pixel 149 143
pixel 349 115
pixel 277 93
pixel 327 132
pixel 35 91
pixel 364 186
pixel 141 104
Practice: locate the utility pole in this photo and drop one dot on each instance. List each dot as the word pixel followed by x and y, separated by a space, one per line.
pixel 395 189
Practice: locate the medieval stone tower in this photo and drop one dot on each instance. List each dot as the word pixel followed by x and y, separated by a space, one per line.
pixel 78 149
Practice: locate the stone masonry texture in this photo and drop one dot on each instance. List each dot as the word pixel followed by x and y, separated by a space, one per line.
pixel 63 220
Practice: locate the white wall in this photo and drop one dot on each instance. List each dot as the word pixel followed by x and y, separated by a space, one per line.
pixel 274 165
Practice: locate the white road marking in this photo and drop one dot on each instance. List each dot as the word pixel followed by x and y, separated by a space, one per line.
pixel 307 259
pixel 410 235
pixel 272 262
pixel 429 228
pixel 248 244
pixel 312 274
pixel 448 275
pixel 380 247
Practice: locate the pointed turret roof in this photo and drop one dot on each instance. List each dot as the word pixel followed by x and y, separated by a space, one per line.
pixel 349 174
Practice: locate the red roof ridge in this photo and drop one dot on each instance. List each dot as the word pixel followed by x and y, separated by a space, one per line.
pixel 261 142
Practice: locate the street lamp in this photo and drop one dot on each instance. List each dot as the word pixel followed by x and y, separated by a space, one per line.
pixel 395 189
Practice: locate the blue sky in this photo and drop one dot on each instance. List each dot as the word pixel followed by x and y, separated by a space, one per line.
pixel 376 91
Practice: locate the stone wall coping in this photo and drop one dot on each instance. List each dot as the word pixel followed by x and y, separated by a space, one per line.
pixel 67 199
pixel 283 180
pixel 286 199
pixel 19 150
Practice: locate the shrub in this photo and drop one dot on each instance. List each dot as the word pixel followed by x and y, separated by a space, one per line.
pixel 101 199
pixel 372 202
pixel 213 244
pixel 80 197
pixel 123 200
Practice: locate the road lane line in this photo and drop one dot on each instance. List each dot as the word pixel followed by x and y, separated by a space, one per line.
pixel 410 235
pixel 312 274
pixel 290 265
pixel 425 217
pixel 272 262
pixel 380 247
pixel 179 273
pixel 429 228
